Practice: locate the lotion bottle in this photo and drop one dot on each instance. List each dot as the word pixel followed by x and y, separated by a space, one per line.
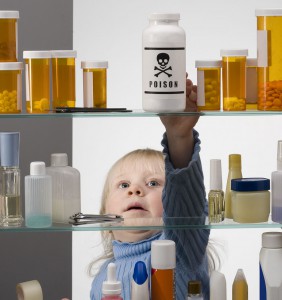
pixel 276 187
pixel 111 288
pixel 240 286
pixel 65 188
pixel 234 172
pixel 217 286
pixel 140 283
pixel 38 196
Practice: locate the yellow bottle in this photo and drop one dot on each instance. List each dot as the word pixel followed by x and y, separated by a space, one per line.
pixel 240 286
pixel 234 172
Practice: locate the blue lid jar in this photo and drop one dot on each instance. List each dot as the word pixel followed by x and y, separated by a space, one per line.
pixel 250 184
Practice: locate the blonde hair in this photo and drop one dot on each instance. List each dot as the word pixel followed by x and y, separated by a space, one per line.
pixel 145 157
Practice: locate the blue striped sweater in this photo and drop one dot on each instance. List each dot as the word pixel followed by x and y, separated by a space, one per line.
pixel 183 196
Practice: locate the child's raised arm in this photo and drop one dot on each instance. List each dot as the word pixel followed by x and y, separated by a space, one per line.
pixel 179 130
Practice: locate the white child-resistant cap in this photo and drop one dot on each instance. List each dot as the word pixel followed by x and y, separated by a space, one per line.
pixel 11 66
pixel 59 159
pixel 234 52
pixel 9 149
pixel 95 64
pixel 164 16
pixel 64 53
pixel 37 54
pixel 37 168
pixel 208 63
pixel 268 12
pixel 215 174
pixel 163 254
pixel 9 14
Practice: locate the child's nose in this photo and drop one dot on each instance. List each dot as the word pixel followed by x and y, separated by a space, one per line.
pixel 135 190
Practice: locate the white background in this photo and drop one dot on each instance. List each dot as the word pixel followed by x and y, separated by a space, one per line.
pixel 111 30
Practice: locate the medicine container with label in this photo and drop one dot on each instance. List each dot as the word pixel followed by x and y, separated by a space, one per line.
pixel 250 200
pixel 269 43
pixel 164 64
pixel 11 87
pixel 94 83
pixel 37 81
pixel 9 36
pixel 234 79
pixel 63 78
pixel 208 83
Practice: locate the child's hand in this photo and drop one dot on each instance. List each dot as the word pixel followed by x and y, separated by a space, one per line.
pixel 179 129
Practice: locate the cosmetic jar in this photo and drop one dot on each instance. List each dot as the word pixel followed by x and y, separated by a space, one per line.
pixel 250 199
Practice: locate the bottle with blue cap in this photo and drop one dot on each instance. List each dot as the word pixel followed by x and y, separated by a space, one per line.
pixel 140 282
pixel 10 200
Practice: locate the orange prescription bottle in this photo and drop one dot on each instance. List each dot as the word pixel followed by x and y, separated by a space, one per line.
pixel 234 79
pixel 37 80
pixel 251 84
pixel 269 43
pixel 11 87
pixel 9 36
pixel 163 262
pixel 208 82
pixel 63 78
pixel 94 83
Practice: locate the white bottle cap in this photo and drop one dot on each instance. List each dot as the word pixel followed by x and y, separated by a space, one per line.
pixel 279 155
pixel 111 286
pixel 240 275
pixel 37 168
pixel 163 255
pixel 59 159
pixel 272 240
pixel 215 174
pixel 217 286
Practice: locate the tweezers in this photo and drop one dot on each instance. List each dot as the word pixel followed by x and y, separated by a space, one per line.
pixel 81 219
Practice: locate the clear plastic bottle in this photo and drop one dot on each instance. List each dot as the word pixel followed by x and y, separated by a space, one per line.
pixel 65 188
pixel 235 171
pixel 216 194
pixel 164 64
pixel 270 258
pixel 38 196
pixel 10 208
pixel 276 187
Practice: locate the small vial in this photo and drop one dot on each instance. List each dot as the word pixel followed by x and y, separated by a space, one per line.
pixel 234 79
pixel 63 78
pixel 9 36
pixel 11 87
pixel 37 80
pixel 195 290
pixel 94 83
pixel 208 82
pixel 10 201
pixel 163 262
pixel 240 286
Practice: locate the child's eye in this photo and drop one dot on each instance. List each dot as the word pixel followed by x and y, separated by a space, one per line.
pixel 123 185
pixel 153 183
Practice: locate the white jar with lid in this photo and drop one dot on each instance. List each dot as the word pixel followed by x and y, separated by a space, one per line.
pixel 164 64
pixel 250 200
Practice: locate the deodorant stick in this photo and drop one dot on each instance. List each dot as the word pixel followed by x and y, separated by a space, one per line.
pixel 163 261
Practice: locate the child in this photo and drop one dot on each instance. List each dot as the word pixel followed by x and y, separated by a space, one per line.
pixel 146 183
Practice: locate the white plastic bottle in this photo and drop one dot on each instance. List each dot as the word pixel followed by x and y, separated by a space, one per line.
pixel 111 288
pixel 270 259
pixel 217 286
pixel 276 187
pixel 38 196
pixel 164 64
pixel 65 188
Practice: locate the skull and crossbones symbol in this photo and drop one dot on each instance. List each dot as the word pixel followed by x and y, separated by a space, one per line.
pixel 163 59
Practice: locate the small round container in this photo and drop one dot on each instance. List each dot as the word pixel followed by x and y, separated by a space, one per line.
pixel 234 79
pixel 9 36
pixel 250 200
pixel 94 83
pixel 11 87
pixel 208 82
pixel 37 79
pixel 63 78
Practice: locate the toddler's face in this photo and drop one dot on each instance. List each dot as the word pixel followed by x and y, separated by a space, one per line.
pixel 136 190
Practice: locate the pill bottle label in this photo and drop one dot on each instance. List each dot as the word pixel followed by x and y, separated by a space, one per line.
pixel 262 48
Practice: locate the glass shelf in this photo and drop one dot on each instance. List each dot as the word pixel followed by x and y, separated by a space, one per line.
pixel 148 224
pixel 141 113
